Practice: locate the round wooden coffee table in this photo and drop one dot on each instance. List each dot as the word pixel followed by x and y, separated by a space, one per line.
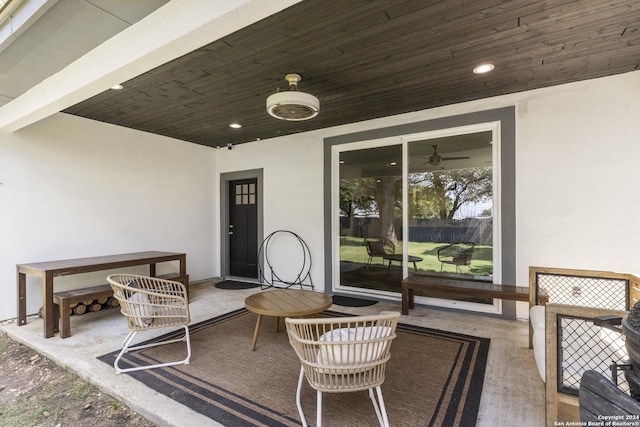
pixel 285 303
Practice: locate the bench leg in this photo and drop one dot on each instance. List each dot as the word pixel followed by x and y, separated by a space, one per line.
pixel 65 319
pixel 405 299
pixel 56 317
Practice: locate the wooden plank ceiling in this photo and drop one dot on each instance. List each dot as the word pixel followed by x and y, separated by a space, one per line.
pixel 367 59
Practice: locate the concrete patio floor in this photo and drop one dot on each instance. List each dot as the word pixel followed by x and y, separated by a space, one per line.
pixel 513 392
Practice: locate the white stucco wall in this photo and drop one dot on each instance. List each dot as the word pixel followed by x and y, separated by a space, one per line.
pixel 293 196
pixel 578 199
pixel 577 151
pixel 72 187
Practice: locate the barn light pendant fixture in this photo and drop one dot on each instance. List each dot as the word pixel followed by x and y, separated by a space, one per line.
pixel 293 105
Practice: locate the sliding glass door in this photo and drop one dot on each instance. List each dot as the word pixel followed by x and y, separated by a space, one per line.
pixel 370 200
pixel 450 209
pixel 422 204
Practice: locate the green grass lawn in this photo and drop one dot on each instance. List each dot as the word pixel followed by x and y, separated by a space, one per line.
pixel 352 249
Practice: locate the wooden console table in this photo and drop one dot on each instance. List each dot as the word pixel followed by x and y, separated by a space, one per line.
pixel 50 269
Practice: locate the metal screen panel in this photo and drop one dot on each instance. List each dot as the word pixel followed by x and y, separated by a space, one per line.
pixel 584 346
pixel 584 291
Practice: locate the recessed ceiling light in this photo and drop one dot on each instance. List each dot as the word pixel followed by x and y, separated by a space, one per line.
pixel 235 125
pixel 483 68
pixel 116 87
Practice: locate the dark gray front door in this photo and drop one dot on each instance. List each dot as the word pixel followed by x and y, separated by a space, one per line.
pixel 243 228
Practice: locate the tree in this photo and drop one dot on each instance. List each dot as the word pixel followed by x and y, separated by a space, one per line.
pixel 356 196
pixel 452 189
pixel 423 202
pixel 385 197
pixel 371 197
pixel 431 194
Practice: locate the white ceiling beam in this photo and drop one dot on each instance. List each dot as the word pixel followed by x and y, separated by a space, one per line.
pixel 173 30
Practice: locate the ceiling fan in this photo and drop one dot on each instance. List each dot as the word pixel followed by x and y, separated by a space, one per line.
pixel 435 158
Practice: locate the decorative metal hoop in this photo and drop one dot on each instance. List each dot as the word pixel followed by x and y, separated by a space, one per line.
pixel 268 276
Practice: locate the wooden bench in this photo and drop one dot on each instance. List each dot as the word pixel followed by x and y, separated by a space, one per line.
pixel 459 287
pixel 64 300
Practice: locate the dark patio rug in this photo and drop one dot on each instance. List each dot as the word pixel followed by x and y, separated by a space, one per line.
pixel 434 378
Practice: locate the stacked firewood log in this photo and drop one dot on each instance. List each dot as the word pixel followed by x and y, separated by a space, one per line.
pixel 90 306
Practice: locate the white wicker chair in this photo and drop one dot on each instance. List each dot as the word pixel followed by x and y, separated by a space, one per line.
pixel 343 354
pixel 150 303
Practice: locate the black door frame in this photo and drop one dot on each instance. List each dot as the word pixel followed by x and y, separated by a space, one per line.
pixel 225 178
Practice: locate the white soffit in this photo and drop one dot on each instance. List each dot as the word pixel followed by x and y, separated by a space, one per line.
pixel 42 38
pixel 173 30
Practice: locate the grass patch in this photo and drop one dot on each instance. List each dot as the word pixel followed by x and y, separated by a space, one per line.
pixel 35 391
pixel 4 346
pixel 352 249
pixel 48 405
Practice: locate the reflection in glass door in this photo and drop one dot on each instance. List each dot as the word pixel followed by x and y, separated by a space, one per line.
pixel 449 212
pixel 371 218
pixel 450 208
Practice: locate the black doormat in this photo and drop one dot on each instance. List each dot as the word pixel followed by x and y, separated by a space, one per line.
pixel 235 284
pixel 352 302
